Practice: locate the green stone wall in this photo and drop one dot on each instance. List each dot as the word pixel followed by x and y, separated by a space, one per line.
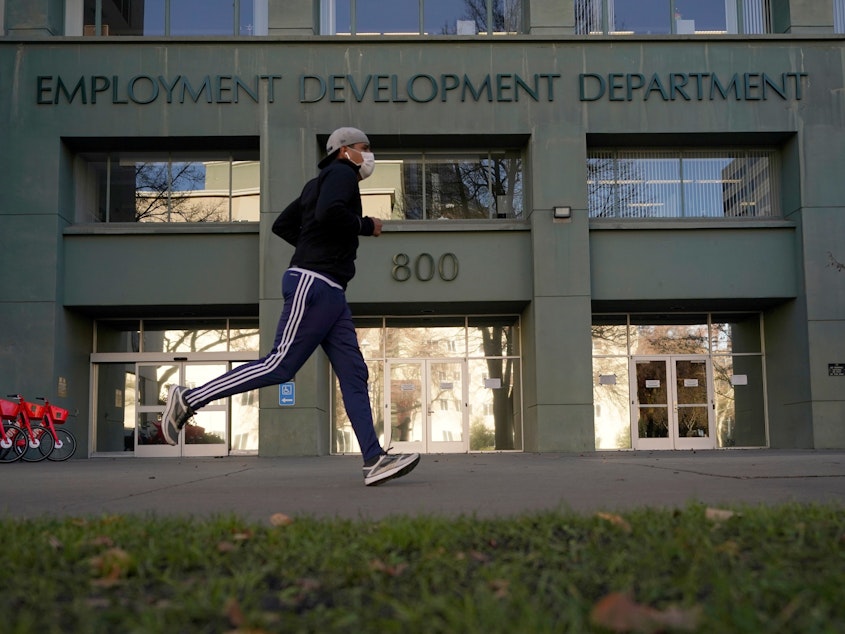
pixel 56 276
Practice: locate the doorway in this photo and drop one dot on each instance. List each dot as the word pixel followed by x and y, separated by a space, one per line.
pixel 426 405
pixel 206 434
pixel 672 402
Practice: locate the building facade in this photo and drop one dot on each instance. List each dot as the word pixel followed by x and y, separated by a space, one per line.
pixel 608 226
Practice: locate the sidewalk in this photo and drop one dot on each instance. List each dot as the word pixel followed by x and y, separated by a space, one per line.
pixel 483 485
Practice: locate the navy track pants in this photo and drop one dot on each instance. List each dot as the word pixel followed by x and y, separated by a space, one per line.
pixel 315 314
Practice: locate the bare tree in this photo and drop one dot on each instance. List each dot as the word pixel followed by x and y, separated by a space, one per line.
pixel 498 342
pixel 157 200
pixel 612 185
pixel 472 188
pixel 507 14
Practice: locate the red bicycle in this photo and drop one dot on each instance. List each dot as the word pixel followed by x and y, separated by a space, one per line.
pixel 36 442
pixel 12 437
pixel 64 443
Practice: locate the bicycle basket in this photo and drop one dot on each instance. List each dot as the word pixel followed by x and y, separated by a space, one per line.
pixel 35 410
pixel 58 414
pixel 9 409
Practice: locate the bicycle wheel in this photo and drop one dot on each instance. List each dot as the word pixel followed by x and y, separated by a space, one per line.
pixel 44 448
pixel 15 450
pixel 67 449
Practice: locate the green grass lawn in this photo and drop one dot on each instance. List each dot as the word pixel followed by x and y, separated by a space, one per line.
pixel 757 569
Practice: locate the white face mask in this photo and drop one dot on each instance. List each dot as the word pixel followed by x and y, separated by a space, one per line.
pixel 367 164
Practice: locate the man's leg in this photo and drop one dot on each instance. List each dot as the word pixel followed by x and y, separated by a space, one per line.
pixel 305 319
pixel 341 346
pixel 302 326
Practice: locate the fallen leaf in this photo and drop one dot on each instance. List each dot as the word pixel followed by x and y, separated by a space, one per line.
pixel 718 515
pixel 225 546
pixel 54 542
pixel 619 613
pixel 616 520
pixel 392 570
pixel 500 588
pixel 280 519
pixel 233 612
pixel 478 556
pixel 110 567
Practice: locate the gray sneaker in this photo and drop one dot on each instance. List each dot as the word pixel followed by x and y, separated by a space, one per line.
pixel 390 466
pixel 176 414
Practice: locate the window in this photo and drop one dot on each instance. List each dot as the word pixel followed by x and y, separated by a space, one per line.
pixel 160 335
pixel 171 17
pixel 671 17
pixel 167 186
pixel 839 16
pixel 489 345
pixel 637 184
pixel 421 17
pixel 733 343
pixel 445 186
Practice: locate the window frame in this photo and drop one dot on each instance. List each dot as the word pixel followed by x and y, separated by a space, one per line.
pixel 600 12
pixel 75 20
pixel 95 184
pixel 680 155
pixel 327 21
pixel 424 159
pixel 839 16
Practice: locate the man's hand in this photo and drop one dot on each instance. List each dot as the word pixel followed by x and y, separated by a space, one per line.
pixel 376 227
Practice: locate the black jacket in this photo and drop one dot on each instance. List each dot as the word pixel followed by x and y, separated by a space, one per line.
pixel 324 223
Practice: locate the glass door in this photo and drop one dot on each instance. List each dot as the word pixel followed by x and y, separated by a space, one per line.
pixel 447 420
pixel 672 403
pixel 207 432
pixel 694 403
pixel 426 402
pixel 405 406
pixel 152 383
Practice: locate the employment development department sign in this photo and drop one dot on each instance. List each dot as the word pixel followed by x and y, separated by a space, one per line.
pixel 54 90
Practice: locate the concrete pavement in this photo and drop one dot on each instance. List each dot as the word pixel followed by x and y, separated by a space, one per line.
pixel 482 485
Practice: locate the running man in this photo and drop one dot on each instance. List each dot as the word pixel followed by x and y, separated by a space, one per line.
pixel 323 224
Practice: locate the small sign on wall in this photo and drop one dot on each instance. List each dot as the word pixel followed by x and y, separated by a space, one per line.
pixel 287 393
pixel 836 369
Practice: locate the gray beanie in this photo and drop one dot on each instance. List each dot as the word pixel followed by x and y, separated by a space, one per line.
pixel 339 138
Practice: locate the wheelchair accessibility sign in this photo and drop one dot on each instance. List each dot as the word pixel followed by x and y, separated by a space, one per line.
pixel 287 393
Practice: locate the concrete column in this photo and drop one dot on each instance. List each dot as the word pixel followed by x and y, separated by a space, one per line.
pixel 551 17
pixel 295 17
pixel 34 18
pixel 558 395
pixel 808 16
